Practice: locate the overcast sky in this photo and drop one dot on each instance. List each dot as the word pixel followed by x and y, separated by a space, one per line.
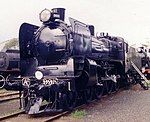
pixel 129 19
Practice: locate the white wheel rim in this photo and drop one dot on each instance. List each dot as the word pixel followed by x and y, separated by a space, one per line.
pixel 2 79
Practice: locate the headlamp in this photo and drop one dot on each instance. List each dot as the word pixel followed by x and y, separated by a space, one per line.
pixel 45 15
pixel 39 75
pixel 139 50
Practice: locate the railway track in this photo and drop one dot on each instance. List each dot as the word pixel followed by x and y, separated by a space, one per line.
pixel 24 117
pixel 4 117
pixel 20 115
pixel 9 96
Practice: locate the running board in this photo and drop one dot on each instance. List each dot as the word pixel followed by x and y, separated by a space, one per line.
pixel 139 72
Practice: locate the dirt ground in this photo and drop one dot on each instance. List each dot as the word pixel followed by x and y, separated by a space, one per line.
pixel 9 107
pixel 126 106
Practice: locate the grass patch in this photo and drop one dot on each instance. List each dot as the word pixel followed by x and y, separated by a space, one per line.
pixel 79 114
pixel 146 83
pixel 3 91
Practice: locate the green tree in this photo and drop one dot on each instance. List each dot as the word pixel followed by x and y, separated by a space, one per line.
pixel 12 43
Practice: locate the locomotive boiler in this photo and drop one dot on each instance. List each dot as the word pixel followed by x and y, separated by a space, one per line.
pixel 67 64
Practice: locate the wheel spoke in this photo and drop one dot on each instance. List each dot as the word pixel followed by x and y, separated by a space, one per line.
pixel 109 86
pixel 99 89
pixel 71 100
pixel 88 95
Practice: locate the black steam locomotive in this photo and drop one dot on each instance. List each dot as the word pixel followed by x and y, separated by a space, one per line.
pixel 9 65
pixel 66 64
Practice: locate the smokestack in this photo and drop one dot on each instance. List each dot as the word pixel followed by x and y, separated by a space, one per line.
pixel 60 12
